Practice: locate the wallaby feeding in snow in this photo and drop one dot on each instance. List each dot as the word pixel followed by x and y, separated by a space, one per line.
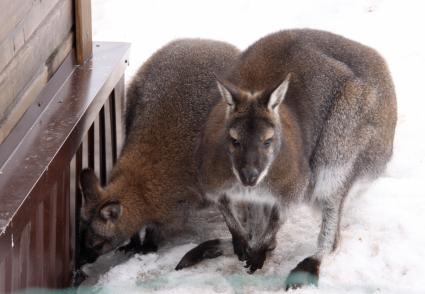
pixel 304 115
pixel 154 181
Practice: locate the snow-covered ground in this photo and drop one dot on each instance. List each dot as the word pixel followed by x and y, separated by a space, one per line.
pixel 383 235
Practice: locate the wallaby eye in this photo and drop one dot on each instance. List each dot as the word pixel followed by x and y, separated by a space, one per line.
pixel 235 143
pixel 268 142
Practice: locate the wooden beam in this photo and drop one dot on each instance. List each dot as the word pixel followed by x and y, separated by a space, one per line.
pixel 83 30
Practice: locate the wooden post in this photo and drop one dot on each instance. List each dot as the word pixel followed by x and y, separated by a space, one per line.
pixel 83 30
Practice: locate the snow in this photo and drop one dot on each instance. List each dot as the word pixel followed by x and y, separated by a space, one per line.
pixel 383 236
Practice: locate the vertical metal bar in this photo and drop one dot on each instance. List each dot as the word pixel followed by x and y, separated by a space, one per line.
pixel 102 147
pixel 113 120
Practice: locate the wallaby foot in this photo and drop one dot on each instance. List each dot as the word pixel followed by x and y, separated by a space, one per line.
pixel 305 273
pixel 206 250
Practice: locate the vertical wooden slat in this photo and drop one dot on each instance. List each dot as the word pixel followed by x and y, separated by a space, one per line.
pixel 36 247
pixel 63 230
pixel 41 234
pixel 16 262
pixel 83 30
pixel 8 274
pixel 50 258
pixel 102 147
pixel 76 201
pixel 113 125
pixel 119 93
pixel 3 276
pixel 25 255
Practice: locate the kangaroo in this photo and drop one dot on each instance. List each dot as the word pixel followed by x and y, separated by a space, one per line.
pixel 304 114
pixel 154 182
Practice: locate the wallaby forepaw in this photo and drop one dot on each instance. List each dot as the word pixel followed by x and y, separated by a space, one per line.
pixel 305 273
pixel 255 260
pixel 240 248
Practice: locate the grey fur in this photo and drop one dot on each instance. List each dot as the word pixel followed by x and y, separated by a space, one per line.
pixel 335 126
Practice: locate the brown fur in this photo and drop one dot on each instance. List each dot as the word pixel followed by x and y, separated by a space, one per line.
pixel 154 180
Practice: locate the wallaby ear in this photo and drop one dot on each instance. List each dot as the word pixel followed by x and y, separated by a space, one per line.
pixel 111 211
pixel 278 95
pixel 90 185
pixel 227 91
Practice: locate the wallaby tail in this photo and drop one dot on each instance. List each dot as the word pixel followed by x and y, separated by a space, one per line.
pixel 206 250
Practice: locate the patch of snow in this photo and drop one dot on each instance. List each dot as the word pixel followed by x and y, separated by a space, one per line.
pixel 383 236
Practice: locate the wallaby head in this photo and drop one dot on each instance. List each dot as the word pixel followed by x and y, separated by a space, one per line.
pixel 105 226
pixel 253 136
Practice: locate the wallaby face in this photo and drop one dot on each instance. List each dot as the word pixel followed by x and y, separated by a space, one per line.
pixel 253 130
pixel 102 215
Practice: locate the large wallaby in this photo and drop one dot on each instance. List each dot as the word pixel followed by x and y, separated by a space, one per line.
pixel 304 115
pixel 154 181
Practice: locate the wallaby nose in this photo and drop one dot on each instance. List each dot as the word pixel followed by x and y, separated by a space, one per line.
pixel 249 176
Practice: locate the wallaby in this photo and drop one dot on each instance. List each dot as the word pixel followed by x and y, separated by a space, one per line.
pixel 154 181
pixel 304 115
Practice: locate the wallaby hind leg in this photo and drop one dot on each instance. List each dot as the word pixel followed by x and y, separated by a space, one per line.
pixel 307 271
pixel 336 165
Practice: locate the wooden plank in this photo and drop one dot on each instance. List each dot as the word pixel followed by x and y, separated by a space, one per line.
pixel 34 87
pixel 84 43
pixel 11 14
pixel 22 69
pixel 26 20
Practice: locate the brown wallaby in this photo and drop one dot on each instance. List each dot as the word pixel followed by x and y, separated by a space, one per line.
pixel 304 115
pixel 154 181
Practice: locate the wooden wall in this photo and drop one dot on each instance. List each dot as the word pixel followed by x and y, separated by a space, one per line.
pixel 35 37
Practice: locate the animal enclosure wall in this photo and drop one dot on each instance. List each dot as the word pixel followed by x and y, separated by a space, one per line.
pixel 61 100
pixel 35 38
pixel 40 162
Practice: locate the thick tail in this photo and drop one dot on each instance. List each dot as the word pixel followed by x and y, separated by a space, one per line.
pixel 206 250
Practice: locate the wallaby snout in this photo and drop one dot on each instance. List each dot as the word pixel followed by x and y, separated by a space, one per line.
pixel 249 176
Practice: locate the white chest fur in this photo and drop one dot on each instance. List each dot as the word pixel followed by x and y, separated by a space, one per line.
pixel 239 193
